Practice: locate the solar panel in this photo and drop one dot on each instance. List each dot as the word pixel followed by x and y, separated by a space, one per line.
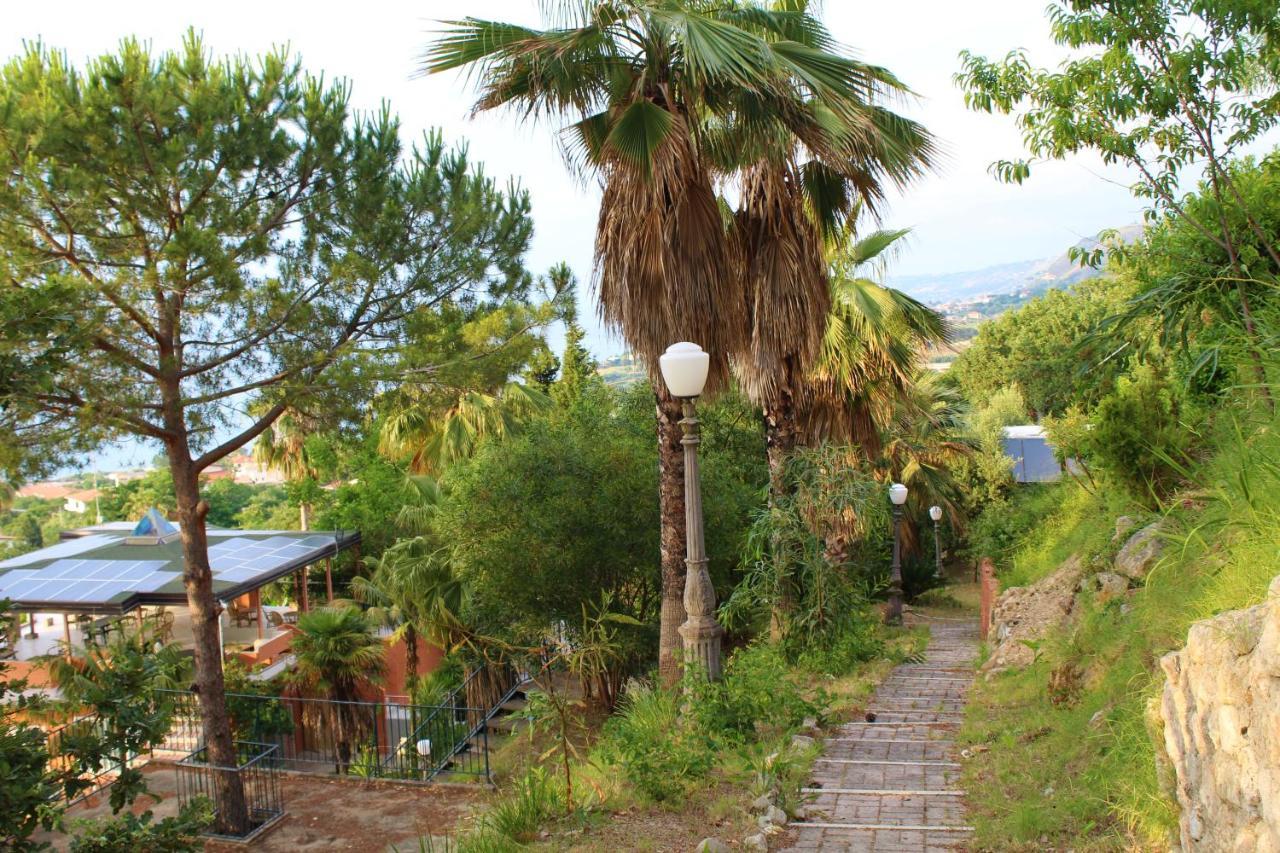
pixel 67 577
pixel 62 549
pixel 240 559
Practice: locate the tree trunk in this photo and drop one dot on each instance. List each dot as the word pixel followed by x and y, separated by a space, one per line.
pixel 672 541
pixel 304 516
pixel 411 661
pixel 233 815
pixel 780 435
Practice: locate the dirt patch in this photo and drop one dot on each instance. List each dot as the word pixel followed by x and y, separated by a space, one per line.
pixel 320 813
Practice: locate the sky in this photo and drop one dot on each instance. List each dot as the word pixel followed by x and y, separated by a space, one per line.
pixel 961 217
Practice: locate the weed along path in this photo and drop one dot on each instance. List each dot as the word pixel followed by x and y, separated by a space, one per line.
pixel 891 784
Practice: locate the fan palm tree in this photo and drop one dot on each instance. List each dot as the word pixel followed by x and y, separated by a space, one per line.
pixel 871 350
pixel 926 435
pixel 640 87
pixel 283 447
pixel 336 655
pixel 806 168
pixel 413 592
pixel 441 429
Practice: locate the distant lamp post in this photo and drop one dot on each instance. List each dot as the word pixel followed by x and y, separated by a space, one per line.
pixel 935 512
pixel 893 616
pixel 684 368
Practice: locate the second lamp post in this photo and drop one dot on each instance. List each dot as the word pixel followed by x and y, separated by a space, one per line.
pixel 898 496
pixel 935 512
pixel 684 368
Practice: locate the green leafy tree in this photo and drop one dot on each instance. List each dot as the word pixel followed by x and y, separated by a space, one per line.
pixel 122 686
pixel 130 500
pixel 220 236
pixel 337 654
pixel 1143 433
pixel 29 530
pixel 29 785
pixel 1056 348
pixel 1161 86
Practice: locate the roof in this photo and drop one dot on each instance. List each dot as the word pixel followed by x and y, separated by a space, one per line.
pixel 1024 431
pixel 46 491
pixel 99 573
pixel 85 495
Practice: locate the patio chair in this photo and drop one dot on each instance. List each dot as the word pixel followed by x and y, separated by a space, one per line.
pixel 240 617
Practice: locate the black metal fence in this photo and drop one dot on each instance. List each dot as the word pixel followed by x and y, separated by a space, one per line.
pixel 258 772
pixel 59 742
pixel 382 740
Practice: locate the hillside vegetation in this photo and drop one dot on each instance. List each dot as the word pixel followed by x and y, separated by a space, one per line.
pixel 1082 767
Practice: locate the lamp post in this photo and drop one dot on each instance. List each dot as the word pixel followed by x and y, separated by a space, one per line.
pixel 893 616
pixel 935 512
pixel 684 368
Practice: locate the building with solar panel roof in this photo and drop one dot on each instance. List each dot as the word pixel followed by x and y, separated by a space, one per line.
pixel 78 591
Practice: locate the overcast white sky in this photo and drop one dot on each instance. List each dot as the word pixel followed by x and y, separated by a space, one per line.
pixel 963 218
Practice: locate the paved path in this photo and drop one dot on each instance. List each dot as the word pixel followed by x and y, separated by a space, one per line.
pixel 891 785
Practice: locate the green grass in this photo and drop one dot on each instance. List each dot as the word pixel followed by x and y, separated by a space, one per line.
pixel 1084 774
pixel 1054 522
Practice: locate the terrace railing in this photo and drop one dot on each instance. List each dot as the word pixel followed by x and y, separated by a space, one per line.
pixel 385 740
pixel 259 774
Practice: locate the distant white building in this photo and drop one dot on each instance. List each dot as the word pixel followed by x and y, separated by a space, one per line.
pixel 250 472
pixel 81 502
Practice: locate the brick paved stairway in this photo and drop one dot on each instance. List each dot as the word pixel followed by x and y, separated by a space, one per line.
pixel 891 785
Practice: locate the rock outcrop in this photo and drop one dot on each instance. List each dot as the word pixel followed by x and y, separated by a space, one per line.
pixel 1026 614
pixel 1221 716
pixel 1023 615
pixel 1140 553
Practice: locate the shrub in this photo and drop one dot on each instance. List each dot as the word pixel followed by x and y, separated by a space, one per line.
pixel 1141 435
pixel 857 641
pixel 141 832
pixel 658 751
pixel 535 799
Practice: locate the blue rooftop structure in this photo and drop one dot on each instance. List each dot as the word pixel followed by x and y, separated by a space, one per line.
pixel 1032 455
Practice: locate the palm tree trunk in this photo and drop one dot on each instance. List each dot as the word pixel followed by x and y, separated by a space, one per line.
pixel 780 434
pixel 304 516
pixel 672 541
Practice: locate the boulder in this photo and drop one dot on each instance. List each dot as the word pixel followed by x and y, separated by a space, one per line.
pixel 711 845
pixel 773 816
pixel 1140 552
pixel 1220 715
pixel 755 842
pixel 1109 585
pixel 1025 614
pixel 1123 525
pixel 761 804
pixel 799 743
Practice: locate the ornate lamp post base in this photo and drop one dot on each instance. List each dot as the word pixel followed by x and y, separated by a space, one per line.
pixel 701 632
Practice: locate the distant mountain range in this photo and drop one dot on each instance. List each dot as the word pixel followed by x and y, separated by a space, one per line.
pixel 1027 278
